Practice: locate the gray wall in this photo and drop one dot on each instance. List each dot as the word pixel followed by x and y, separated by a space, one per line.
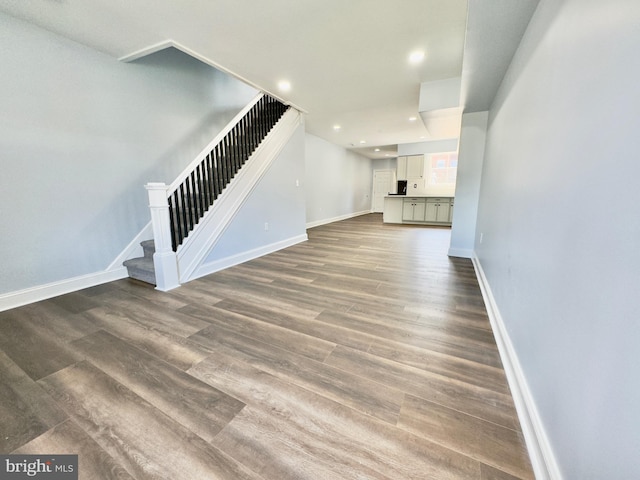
pixel 80 135
pixel 470 158
pixel 559 209
pixel 338 182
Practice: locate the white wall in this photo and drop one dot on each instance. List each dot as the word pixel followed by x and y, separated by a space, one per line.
pixel 384 164
pixel 559 209
pixel 81 134
pixel 467 191
pixel 434 146
pixel 338 182
pixel 277 201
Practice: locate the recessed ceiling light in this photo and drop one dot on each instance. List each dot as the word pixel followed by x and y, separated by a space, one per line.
pixel 416 57
pixel 412 119
pixel 363 141
pixel 337 127
pixel 377 150
pixel 284 85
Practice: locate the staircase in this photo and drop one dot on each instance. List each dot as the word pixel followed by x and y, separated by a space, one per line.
pixel 142 268
pixel 191 196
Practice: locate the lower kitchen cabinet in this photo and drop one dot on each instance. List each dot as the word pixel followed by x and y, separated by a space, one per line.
pixel 438 210
pixel 418 210
pixel 413 209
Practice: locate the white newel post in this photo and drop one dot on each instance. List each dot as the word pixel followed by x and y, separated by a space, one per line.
pixel 164 260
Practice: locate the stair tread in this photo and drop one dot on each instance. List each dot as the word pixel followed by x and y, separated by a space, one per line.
pixel 143 263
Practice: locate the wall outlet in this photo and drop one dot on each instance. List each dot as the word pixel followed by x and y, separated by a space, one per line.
pixel 266 226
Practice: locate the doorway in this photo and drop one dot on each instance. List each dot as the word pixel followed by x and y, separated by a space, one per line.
pixel 383 184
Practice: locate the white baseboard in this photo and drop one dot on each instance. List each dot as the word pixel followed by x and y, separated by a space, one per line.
pixel 460 252
pixel 42 292
pixel 317 223
pixel 221 264
pixel 541 453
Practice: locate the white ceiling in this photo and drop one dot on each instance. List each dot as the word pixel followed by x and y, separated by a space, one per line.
pixel 346 60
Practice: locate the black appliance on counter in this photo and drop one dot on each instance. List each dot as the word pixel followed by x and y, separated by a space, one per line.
pixel 402 187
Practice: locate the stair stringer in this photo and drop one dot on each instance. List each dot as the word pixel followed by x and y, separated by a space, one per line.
pixel 201 241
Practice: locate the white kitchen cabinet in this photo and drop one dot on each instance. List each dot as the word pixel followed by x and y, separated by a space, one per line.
pixel 411 166
pixel 415 166
pixel 417 209
pixel 438 210
pixel 413 209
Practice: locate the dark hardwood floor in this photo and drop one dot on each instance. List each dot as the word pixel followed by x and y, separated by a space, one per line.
pixel 364 353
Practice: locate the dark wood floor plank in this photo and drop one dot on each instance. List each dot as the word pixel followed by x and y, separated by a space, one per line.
pixel 442 324
pixel 418 336
pixel 196 405
pixel 338 295
pixel 456 317
pixel 471 399
pixel 56 321
pixel 318 296
pixel 460 369
pixel 26 410
pixel 128 287
pixel 230 287
pixel 291 433
pixel 152 315
pixel 485 441
pixel 176 350
pixel 142 439
pixel 292 341
pixel 198 292
pixel 305 325
pixel 357 392
pixel 34 349
pixel 74 302
pixel 69 439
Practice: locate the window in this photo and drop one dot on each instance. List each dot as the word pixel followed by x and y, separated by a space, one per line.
pixel 442 168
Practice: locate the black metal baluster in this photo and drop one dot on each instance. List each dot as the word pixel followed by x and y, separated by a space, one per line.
pixel 219 174
pixel 214 167
pixel 232 160
pixel 172 223
pixel 194 199
pixel 189 199
pixel 243 140
pixel 178 224
pixel 236 147
pixel 200 197
pixel 227 160
pixel 209 181
pixel 185 217
pixel 205 183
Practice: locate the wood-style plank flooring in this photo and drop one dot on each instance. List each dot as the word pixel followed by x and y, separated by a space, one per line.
pixel 364 353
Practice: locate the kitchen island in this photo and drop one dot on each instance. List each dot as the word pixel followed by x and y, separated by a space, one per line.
pixel 418 209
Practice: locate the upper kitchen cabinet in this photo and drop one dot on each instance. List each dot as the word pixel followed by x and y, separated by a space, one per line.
pixel 410 166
